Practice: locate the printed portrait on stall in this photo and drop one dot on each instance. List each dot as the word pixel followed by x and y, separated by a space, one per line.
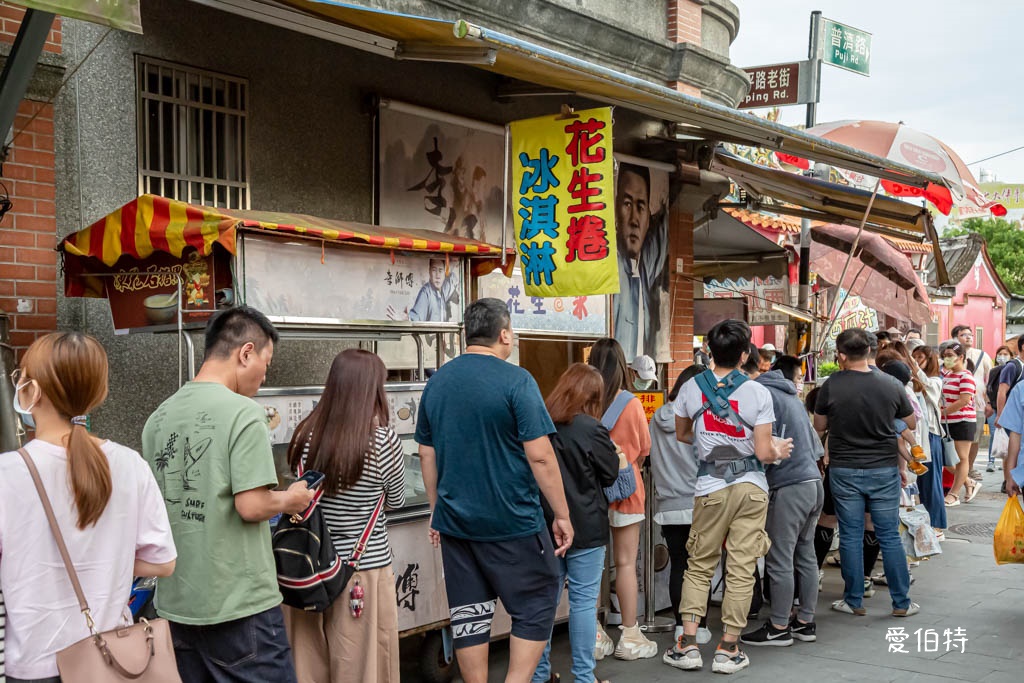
pixel 641 308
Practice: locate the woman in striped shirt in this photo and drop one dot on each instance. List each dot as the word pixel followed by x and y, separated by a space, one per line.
pixel 959 417
pixel 348 439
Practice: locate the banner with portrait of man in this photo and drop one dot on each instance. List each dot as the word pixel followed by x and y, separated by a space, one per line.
pixel 642 309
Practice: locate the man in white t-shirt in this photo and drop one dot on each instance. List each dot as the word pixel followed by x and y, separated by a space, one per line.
pixel 731 498
pixel 982 366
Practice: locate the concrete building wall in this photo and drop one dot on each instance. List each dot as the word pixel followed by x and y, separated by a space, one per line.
pixel 310 142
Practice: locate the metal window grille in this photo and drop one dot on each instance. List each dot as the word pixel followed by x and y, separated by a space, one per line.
pixel 192 134
pixel 979 337
pixel 931 331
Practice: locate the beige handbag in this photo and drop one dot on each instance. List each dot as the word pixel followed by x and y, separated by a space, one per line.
pixel 140 652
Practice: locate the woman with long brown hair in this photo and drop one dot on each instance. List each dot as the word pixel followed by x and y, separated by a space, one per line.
pixel 588 462
pixel 930 483
pixel 348 439
pixel 630 432
pixel 114 527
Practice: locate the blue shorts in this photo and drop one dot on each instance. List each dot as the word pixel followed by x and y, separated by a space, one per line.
pixel 522 573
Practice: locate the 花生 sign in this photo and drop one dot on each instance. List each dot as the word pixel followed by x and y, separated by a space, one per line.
pixel 563 197
pixel 846 47
pixel 773 85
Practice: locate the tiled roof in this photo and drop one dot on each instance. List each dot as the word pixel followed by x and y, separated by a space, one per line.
pixel 756 219
pixel 791 226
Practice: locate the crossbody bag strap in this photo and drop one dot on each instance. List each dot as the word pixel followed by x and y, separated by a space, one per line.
pixel 364 539
pixel 57 536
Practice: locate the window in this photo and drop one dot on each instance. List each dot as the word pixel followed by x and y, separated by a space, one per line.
pixel 979 337
pixel 193 134
pixel 931 334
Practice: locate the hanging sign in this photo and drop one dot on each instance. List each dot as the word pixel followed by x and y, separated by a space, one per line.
pixel 563 180
pixel 121 14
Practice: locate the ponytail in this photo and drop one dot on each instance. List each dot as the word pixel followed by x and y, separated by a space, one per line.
pixel 89 475
pixel 71 370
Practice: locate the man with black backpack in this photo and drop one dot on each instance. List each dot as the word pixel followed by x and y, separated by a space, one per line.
pixel 729 420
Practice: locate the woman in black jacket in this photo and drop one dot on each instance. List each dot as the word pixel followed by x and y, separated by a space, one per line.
pixel 588 461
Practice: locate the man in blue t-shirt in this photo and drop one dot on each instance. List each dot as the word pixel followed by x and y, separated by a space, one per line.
pixel 486 458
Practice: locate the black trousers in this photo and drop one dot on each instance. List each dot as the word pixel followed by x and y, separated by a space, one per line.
pixel 676 536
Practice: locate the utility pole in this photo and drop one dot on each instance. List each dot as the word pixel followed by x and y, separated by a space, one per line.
pixel 814 62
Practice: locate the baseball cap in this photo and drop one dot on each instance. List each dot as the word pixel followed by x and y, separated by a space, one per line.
pixel 645 368
pixel 912 344
pixel 769 347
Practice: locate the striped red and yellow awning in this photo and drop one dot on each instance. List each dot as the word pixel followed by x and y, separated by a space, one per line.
pixel 156 224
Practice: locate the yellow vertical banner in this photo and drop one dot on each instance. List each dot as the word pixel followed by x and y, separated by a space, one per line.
pixel 563 181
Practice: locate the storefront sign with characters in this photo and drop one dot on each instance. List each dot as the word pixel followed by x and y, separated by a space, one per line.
pixel 651 400
pixel 144 295
pixel 583 316
pixel 853 314
pixel 301 280
pixel 564 208
pixel 761 293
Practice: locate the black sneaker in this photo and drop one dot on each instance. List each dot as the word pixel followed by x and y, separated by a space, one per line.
pixel 768 635
pixel 805 632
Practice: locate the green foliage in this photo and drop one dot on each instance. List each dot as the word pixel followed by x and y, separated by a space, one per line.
pixel 826 369
pixel 1005 242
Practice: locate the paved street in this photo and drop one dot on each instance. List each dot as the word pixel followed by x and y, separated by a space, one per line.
pixel 963 588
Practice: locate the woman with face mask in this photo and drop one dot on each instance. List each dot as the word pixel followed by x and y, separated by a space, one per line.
pixel 959 417
pixel 115 527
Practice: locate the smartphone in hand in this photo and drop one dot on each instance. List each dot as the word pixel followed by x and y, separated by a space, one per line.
pixel 313 480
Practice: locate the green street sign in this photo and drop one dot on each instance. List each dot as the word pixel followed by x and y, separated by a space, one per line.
pixel 846 47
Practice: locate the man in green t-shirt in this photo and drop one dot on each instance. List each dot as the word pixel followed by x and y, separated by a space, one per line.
pixel 209 447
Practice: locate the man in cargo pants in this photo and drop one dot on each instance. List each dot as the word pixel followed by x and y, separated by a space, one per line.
pixel 729 420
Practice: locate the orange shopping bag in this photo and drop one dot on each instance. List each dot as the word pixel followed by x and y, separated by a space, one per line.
pixel 1008 542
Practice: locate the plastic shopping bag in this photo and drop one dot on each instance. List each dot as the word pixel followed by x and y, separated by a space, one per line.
pixel 1008 541
pixel 1000 442
pixel 919 539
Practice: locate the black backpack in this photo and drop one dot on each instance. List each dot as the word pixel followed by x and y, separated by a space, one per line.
pixel 309 572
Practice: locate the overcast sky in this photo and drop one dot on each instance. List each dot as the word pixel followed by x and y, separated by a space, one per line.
pixel 950 68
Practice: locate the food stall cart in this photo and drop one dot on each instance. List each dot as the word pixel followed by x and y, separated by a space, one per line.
pixel 166 266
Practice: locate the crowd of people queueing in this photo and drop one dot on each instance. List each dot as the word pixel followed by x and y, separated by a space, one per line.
pixel 525 493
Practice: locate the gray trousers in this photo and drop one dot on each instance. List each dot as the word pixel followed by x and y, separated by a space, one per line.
pixel 792 515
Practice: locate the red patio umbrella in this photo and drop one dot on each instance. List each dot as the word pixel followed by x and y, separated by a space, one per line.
pixel 879 273
pixel 906 145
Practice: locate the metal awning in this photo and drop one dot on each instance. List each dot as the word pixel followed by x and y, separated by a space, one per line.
pixel 404 36
pixel 725 247
pixel 151 224
pixel 797 195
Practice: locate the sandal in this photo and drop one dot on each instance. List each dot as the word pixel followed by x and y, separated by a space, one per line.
pixel 972 491
pixel 956 500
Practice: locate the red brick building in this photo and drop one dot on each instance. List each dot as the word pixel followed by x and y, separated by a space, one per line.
pixel 28 231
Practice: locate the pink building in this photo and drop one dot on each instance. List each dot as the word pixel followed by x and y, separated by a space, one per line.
pixel 975 297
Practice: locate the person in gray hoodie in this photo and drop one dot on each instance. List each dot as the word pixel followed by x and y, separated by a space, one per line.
pixel 674 468
pixel 796 498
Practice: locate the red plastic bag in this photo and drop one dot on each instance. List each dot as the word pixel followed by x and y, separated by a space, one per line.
pixel 1008 541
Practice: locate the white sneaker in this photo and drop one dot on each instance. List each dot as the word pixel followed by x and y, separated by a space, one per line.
pixel 687 660
pixel 634 644
pixel 729 662
pixel 604 645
